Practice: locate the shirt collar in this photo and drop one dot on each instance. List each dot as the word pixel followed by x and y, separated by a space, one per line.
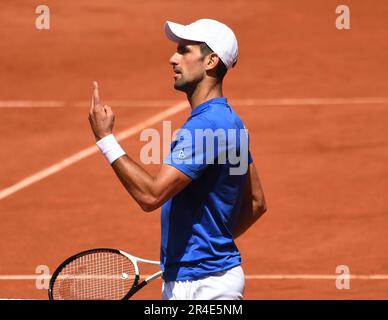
pixel 204 105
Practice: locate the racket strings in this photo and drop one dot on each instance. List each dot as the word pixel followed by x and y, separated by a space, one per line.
pixel 95 276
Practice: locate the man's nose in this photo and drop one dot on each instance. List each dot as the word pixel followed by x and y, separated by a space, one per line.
pixel 174 59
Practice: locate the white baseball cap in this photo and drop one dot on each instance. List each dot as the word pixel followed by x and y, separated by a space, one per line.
pixel 218 36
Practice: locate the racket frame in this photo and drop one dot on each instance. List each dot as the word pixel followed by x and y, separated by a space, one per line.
pixel 135 287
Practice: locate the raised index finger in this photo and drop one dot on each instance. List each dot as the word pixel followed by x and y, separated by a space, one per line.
pixel 96 95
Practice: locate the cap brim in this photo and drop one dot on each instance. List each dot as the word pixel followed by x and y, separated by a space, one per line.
pixel 176 32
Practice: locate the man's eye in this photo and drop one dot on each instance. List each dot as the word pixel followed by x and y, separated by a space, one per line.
pixel 182 50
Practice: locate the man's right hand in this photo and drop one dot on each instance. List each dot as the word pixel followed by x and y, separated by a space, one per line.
pixel 101 117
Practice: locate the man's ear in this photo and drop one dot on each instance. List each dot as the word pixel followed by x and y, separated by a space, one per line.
pixel 212 61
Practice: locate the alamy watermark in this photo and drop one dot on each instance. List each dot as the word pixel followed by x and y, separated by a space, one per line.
pixel 198 146
pixel 343 19
pixel 43 279
pixel 342 22
pixel 42 22
pixel 343 279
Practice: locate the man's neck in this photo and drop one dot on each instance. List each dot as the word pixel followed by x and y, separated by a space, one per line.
pixel 203 93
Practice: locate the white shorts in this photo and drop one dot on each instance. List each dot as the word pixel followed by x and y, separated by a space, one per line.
pixel 224 285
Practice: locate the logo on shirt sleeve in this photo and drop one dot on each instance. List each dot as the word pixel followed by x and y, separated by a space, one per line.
pixel 181 154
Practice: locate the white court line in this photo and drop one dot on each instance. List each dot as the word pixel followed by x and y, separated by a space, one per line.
pixel 314 277
pixel 247 277
pixel 91 150
pixel 254 102
pixel 129 103
pixel 30 103
pixel 174 109
pixel 309 101
pixel 164 103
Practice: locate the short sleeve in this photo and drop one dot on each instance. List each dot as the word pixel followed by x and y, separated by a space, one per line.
pixel 201 143
pixel 189 151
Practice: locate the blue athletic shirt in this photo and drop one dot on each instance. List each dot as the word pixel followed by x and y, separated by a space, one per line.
pixel 197 223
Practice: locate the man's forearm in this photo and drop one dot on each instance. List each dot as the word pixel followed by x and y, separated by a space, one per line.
pixel 138 182
pixel 148 191
pixel 248 216
pixel 253 204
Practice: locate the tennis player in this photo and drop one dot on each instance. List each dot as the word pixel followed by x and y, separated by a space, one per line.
pixel 207 198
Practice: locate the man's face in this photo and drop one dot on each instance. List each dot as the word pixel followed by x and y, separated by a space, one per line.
pixel 188 65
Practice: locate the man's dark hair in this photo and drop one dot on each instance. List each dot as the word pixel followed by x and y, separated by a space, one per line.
pixel 221 68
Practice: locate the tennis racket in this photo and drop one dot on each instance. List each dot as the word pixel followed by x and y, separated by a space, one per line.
pixel 99 274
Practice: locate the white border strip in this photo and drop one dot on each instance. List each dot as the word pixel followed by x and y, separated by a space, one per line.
pixel 164 103
pixel 89 151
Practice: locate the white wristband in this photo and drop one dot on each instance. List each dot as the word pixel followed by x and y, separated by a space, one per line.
pixel 110 148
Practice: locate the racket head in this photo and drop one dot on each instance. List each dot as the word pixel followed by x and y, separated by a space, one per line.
pixel 96 274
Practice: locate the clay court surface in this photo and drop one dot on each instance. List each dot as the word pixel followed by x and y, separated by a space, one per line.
pixel 315 100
